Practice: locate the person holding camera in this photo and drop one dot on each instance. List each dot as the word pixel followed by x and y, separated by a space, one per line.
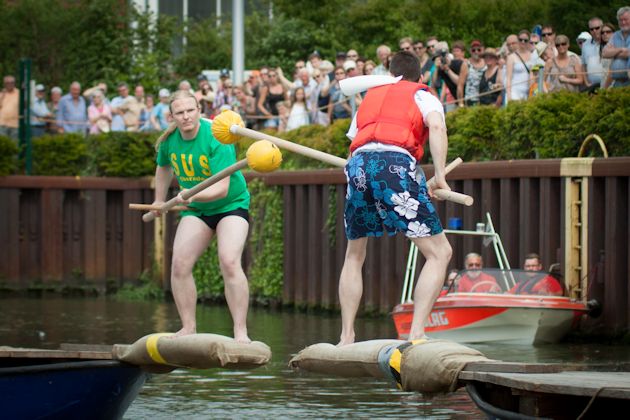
pixel 447 73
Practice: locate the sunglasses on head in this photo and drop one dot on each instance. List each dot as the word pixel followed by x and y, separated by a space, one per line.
pixel 561 44
pixel 547 33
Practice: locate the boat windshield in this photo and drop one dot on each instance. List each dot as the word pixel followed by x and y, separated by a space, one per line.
pixel 494 280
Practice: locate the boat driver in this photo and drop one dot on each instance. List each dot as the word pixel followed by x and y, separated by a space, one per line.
pixel 474 279
pixel 536 282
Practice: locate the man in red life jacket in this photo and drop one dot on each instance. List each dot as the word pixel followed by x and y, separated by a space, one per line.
pixel 535 282
pixel 474 280
pixel 387 190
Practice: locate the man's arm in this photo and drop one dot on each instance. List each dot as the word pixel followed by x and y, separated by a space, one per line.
pixel 461 83
pixel 438 143
pixel 610 51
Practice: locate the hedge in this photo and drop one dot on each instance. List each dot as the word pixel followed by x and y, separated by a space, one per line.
pixel 548 126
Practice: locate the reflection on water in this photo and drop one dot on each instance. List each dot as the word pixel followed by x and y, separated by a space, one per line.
pixel 271 391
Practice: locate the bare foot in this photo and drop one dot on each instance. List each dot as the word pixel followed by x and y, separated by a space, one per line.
pixel 417 337
pixel 242 337
pixel 345 340
pixel 183 332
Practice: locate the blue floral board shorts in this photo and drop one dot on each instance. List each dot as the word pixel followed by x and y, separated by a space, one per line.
pixel 387 192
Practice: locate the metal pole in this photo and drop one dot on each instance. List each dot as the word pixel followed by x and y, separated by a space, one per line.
pixel 238 42
pixel 541 80
pixel 218 13
pixel 185 20
pixel 24 133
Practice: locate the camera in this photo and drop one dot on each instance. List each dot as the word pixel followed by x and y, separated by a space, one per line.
pixel 443 53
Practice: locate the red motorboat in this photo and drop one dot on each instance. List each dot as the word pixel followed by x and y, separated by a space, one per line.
pixel 491 317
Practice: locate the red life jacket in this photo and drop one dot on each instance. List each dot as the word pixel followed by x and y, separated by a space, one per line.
pixel 389 115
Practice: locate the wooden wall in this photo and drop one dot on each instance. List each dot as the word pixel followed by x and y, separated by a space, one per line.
pixel 78 230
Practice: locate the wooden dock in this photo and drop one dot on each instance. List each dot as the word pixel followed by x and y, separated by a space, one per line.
pixel 548 390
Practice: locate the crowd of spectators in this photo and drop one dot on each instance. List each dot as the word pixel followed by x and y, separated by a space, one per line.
pixel 526 64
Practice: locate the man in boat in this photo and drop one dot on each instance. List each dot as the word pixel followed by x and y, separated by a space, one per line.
pixel 387 190
pixel 189 151
pixel 536 282
pixel 474 280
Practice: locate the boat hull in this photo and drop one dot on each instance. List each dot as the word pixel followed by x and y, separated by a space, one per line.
pixel 481 318
pixel 100 389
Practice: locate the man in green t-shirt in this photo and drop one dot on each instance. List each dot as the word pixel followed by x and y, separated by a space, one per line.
pixel 192 154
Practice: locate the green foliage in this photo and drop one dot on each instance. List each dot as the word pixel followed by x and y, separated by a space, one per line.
pixel 122 154
pixel 206 48
pixel 8 156
pixel 207 274
pixel 59 155
pixel 547 126
pixel 85 40
pixel 266 241
pixel 144 289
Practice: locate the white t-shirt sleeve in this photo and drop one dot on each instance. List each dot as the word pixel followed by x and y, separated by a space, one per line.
pixel 352 131
pixel 428 103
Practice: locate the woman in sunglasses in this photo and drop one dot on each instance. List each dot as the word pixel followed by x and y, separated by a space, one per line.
pixel 564 72
pixel 607 31
pixel 518 66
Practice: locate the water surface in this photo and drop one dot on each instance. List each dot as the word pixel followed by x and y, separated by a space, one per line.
pixel 273 391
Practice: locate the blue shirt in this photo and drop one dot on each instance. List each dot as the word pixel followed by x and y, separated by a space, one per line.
pixel 159 112
pixel 118 122
pixel 39 110
pixel 618 64
pixel 72 115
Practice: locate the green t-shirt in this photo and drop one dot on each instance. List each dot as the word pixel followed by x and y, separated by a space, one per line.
pixel 197 159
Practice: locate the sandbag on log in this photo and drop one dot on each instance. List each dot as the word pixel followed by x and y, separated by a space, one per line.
pixel 195 351
pixel 353 360
pixel 433 366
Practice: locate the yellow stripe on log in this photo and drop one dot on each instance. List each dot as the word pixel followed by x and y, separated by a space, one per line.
pixel 152 347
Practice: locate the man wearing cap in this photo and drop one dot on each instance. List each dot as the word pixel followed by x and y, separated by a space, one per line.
pixel 591 59
pixel 9 108
pixel 491 82
pixel 387 190
pixel 39 112
pixel 618 48
pixel 473 72
pixel 159 115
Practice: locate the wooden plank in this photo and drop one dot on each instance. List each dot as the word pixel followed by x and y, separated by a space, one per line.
pixel 94 228
pixel 327 279
pixel 113 235
pixel 10 222
pixel 25 353
pixel 616 263
pixel 132 237
pixel 51 211
pixel 86 347
pixel 302 252
pixel 290 247
pixel 512 367
pixel 607 384
pixel 315 231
